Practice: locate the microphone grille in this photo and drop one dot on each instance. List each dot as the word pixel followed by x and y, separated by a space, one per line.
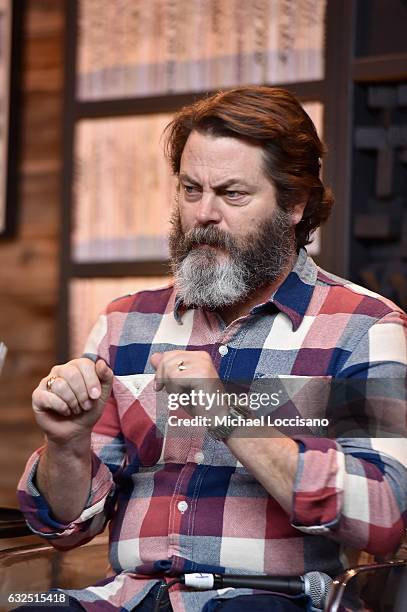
pixel 317 586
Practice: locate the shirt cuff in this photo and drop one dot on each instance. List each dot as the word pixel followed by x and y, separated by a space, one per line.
pixel 318 486
pixel 38 513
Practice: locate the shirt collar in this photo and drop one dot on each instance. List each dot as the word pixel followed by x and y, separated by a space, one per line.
pixel 292 297
pixel 294 294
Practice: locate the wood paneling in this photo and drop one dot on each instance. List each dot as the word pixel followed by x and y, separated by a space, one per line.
pixel 29 262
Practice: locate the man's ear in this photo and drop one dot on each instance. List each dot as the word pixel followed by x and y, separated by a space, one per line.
pixel 297 211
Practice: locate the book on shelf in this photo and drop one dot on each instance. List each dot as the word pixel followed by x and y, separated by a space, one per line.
pixel 133 48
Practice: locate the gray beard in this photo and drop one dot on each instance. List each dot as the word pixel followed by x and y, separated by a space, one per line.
pixel 206 278
pixel 202 280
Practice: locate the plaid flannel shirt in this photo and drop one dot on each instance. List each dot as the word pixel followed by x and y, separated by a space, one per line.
pixel 184 503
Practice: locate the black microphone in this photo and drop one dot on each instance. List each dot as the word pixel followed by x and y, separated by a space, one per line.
pixel 314 584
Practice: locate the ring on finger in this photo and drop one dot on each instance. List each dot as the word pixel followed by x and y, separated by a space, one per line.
pixel 50 382
pixel 181 366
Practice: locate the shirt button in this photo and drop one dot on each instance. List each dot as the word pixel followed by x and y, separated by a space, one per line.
pixel 223 350
pixel 182 506
pixel 199 457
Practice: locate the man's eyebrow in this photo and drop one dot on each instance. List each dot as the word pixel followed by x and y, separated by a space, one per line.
pixel 186 177
pixel 224 185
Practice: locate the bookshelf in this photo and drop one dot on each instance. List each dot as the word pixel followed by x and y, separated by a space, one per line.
pixel 115 99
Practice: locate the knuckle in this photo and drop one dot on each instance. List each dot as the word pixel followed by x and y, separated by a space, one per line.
pixel 74 378
pixel 43 381
pixel 88 363
pixel 57 369
pixel 74 362
pixel 59 385
pixel 86 366
pixel 68 370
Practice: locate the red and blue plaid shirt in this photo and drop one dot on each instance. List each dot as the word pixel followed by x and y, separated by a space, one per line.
pixel 184 503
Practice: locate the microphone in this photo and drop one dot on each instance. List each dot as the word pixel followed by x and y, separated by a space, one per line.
pixel 314 584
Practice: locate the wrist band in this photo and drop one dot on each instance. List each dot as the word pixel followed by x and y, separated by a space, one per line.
pixel 224 431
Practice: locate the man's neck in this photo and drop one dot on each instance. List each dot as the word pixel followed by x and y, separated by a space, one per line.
pixel 259 296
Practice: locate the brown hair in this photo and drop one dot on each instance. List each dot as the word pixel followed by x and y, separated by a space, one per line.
pixel 274 119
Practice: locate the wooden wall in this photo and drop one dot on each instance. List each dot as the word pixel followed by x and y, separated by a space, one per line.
pixel 29 262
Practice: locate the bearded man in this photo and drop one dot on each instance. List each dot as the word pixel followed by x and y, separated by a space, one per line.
pixel 247 303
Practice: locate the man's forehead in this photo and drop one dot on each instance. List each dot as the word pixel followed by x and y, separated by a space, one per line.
pixel 228 157
pixel 212 144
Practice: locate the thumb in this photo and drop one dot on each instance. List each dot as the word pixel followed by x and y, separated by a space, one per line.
pixel 105 375
pixel 103 371
pixel 156 359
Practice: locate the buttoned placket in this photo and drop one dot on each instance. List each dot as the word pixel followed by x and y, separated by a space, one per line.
pixel 183 507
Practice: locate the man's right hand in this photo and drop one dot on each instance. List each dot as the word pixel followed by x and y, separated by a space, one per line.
pixel 71 407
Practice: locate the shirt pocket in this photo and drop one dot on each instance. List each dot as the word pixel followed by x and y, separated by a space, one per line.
pixel 295 405
pixel 142 418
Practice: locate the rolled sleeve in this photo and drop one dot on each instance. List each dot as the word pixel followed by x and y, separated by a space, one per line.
pixel 355 489
pixel 318 487
pixel 38 513
pixel 351 490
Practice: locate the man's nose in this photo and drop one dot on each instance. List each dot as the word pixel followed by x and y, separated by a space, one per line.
pixel 207 210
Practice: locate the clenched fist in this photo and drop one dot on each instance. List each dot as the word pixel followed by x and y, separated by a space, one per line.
pixel 72 402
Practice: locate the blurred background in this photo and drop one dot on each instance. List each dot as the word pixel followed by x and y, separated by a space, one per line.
pixel 86 88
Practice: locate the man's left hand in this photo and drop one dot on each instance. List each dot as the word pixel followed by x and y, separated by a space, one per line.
pixel 178 368
pixel 184 371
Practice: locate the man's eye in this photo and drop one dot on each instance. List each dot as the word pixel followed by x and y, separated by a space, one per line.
pixel 190 189
pixel 233 195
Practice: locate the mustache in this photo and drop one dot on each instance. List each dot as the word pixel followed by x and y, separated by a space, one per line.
pixel 210 236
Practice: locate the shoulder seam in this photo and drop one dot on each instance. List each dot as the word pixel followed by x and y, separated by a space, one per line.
pixel 367 293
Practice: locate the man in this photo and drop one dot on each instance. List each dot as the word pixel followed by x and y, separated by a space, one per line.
pixel 247 303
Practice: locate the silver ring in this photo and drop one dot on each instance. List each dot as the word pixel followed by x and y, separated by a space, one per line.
pixel 181 366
